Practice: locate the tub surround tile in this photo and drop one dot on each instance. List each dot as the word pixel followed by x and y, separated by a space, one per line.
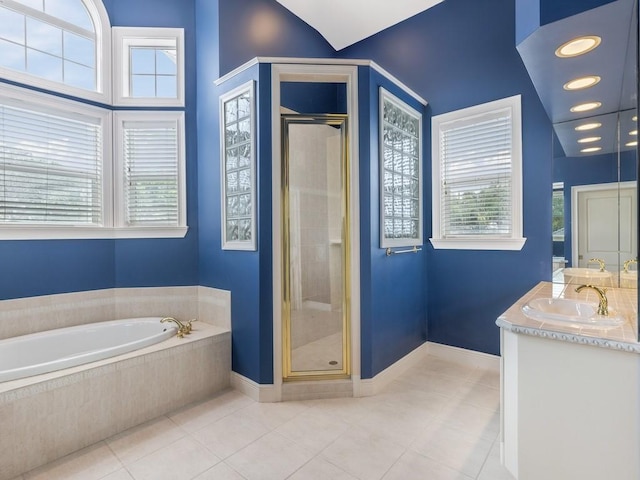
pixel 178 302
pixel 60 414
pixel 214 306
pixel 47 312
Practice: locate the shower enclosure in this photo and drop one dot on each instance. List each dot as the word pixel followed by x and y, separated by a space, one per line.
pixel 315 245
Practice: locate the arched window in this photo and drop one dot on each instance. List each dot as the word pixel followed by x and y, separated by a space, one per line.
pixel 60 45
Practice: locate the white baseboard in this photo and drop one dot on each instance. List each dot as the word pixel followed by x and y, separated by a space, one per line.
pixel 259 393
pixel 372 386
pixel 469 358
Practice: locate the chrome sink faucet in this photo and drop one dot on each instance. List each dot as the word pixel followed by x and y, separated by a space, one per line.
pixel 599 261
pixel 603 305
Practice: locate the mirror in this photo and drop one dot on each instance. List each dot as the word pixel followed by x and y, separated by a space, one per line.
pixel 595 217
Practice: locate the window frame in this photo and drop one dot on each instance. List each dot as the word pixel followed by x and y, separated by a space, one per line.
pixel 245 245
pixel 124 38
pixel 113 225
pixel 63 107
pixel 120 226
pixel 102 94
pixel 558 187
pixel 480 242
pixel 386 96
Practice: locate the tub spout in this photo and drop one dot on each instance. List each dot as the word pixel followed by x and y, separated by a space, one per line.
pixel 182 328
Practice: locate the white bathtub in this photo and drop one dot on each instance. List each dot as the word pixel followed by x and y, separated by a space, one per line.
pixel 52 350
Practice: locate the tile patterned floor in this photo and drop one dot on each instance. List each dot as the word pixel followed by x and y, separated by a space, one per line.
pixel 439 421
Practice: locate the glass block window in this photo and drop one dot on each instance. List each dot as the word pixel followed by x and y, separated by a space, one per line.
pixel 51 39
pixel 238 169
pixel 400 171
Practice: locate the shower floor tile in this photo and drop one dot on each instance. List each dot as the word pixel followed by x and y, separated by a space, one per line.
pixel 438 421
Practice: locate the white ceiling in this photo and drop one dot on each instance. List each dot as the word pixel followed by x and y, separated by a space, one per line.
pixel 345 22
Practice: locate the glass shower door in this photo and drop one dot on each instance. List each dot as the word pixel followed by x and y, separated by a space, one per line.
pixel 315 245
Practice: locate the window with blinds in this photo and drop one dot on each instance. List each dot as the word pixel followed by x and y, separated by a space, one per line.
pixel 150 165
pixel 50 166
pixel 477 174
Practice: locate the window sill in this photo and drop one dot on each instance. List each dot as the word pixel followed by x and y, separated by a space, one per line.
pixel 478 244
pixel 33 232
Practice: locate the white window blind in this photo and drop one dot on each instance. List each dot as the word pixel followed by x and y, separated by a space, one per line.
pixel 476 176
pixel 50 168
pixel 151 165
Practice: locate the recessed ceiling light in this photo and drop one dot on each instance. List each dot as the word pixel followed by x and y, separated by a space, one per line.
pixel 634 118
pixel 633 132
pixel 582 82
pixel 584 107
pixel 589 139
pixel 591 149
pixel 578 46
pixel 588 126
pixel 632 144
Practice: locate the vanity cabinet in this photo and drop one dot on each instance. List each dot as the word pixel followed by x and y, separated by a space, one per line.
pixel 570 401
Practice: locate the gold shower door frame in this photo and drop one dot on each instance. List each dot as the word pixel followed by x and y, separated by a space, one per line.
pixel 339 121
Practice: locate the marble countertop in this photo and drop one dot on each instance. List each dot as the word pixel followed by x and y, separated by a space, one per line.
pixel 624 301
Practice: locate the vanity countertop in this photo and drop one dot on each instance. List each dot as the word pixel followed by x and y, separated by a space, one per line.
pixel 624 301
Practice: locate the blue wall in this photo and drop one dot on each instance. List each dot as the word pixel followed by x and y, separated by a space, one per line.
pixel 458 54
pixel 242 31
pixel 392 289
pixel 58 266
pixel 252 28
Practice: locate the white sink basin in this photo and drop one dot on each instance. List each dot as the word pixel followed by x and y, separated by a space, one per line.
pixel 587 275
pixel 566 311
